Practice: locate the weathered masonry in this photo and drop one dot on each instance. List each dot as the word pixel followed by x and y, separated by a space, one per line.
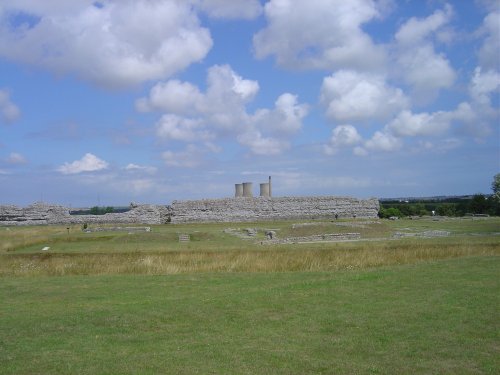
pixel 207 210
pixel 41 213
pixel 264 208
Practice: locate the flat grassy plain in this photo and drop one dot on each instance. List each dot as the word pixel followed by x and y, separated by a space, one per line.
pixel 120 303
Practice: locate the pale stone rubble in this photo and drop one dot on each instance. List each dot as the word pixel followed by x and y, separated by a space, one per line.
pixel 209 210
pixel 332 237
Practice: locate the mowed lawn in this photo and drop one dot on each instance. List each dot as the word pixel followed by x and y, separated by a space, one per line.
pixel 437 317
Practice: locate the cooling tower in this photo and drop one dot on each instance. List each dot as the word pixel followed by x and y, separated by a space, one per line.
pixel 264 190
pixel 247 190
pixel 238 190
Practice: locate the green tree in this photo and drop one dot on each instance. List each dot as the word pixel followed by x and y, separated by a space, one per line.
pixel 495 185
pixel 495 199
pixel 447 209
pixel 385 213
pixel 419 209
pixel 405 210
pixel 478 204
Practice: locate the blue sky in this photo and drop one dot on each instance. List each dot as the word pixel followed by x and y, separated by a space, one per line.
pixel 108 102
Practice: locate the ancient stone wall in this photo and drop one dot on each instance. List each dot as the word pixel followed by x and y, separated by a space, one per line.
pixel 208 210
pixel 41 213
pixel 264 208
pixel 35 214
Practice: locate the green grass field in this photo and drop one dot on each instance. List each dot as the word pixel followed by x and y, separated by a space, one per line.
pixel 143 303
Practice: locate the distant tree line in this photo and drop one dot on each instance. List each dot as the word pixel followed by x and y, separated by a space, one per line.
pixel 96 211
pixel 101 210
pixel 477 204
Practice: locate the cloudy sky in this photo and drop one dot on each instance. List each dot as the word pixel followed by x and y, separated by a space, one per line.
pixel 108 102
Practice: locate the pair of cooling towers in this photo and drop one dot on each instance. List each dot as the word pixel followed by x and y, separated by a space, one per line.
pixel 244 190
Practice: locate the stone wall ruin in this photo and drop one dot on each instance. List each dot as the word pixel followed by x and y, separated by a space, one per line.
pixel 43 214
pixel 208 210
pixel 264 208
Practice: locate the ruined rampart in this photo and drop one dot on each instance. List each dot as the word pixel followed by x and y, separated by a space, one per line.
pixel 264 208
pixel 208 210
pixel 41 213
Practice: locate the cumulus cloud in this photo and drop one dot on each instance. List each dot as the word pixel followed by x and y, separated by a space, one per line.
pixel 221 111
pixel 9 112
pixel 325 34
pixel 488 53
pixel 408 124
pixel 383 141
pixel 476 116
pixel 88 163
pixel 424 69
pixel 482 85
pixel 171 96
pixel 234 9
pixel 182 129
pixel 415 30
pixel 353 96
pixel 112 43
pixel 342 136
pixel 223 102
pixel 284 119
pixel 472 118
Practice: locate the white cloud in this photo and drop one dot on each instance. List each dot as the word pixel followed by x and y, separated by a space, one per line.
pixel 425 70
pixel 383 141
pixel 482 85
pixel 9 112
pixel 473 118
pixel 171 96
pixel 488 53
pixel 116 43
pixel 88 163
pixel 182 129
pixel 284 119
pixel 221 111
pixel 16 159
pixel 233 9
pixel 342 136
pixel 222 103
pixel 141 168
pixel 408 124
pixel 476 116
pixel 415 31
pixel 191 157
pixel 261 145
pixel 325 34
pixel 353 96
